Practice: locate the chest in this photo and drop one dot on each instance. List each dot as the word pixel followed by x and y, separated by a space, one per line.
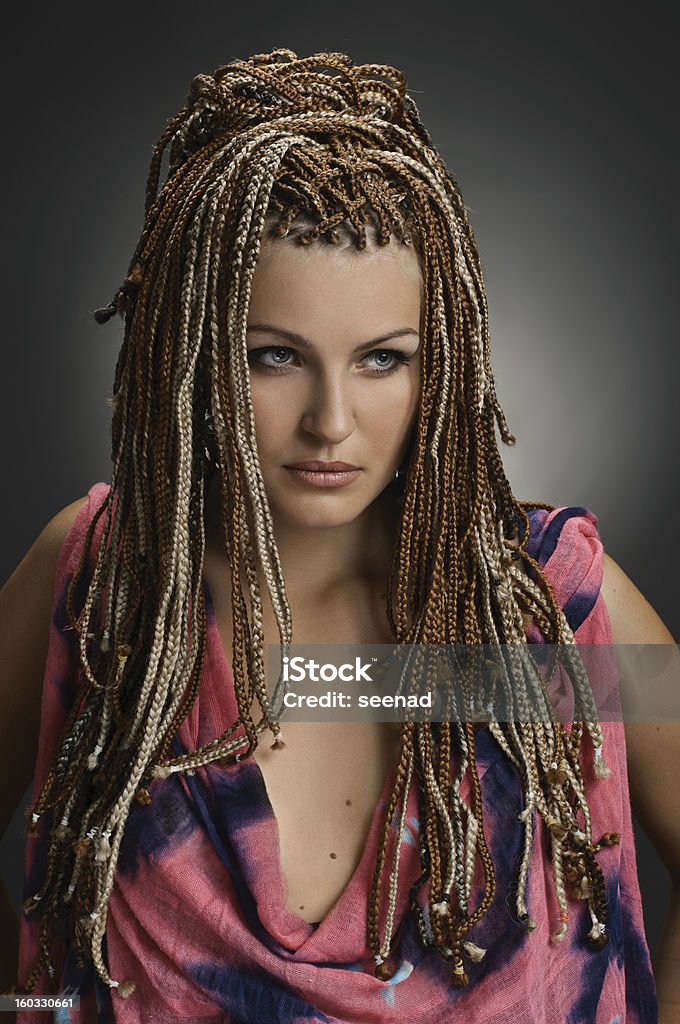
pixel 325 784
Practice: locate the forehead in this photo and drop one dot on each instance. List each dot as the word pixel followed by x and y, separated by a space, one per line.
pixel 319 282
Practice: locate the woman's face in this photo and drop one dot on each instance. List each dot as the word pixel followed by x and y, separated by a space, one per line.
pixel 333 349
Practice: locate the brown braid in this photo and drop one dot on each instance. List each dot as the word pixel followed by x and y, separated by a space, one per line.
pixel 276 147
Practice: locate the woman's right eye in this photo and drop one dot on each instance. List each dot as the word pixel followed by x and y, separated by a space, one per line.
pixel 279 355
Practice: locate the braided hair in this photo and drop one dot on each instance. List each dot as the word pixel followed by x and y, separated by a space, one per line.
pixel 315 149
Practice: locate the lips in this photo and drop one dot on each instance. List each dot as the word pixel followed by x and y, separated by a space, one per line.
pixel 316 466
pixel 323 475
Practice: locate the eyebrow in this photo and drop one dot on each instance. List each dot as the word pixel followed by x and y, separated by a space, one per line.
pixel 297 339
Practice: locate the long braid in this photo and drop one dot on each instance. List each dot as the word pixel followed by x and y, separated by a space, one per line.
pixel 275 147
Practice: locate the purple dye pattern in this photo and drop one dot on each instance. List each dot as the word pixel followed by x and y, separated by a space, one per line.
pixel 198 917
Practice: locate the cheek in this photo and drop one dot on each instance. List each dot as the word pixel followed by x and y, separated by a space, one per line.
pixel 274 418
pixel 390 417
pixel 268 405
pixel 401 399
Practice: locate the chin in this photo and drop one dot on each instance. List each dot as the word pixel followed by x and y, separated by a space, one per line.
pixel 317 514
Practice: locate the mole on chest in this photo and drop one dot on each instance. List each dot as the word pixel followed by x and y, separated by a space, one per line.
pixel 324 787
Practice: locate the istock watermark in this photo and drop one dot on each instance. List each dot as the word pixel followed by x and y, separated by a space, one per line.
pixel 475 682
pixel 297 670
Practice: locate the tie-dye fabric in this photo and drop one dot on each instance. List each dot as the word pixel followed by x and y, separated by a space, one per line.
pixel 198 918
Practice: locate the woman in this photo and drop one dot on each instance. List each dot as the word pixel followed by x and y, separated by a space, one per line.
pixel 304 450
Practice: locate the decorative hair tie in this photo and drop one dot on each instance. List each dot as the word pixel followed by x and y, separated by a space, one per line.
pixel 105 313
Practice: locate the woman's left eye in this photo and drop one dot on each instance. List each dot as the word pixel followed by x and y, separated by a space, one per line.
pixel 394 360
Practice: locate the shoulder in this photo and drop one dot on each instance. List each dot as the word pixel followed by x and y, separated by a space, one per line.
pixel 57 529
pixel 69 525
pixel 633 619
pixel 652 747
pixel 560 530
pixel 565 543
pixel 27 596
pixel 26 603
pixel 37 568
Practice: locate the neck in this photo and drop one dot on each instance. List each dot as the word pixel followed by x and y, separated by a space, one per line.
pixel 314 562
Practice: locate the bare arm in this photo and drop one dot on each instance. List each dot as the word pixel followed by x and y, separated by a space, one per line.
pixel 25 613
pixel 653 769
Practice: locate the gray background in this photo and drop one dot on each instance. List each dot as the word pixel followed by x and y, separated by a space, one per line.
pixel 559 124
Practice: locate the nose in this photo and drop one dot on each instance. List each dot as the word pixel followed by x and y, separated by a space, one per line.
pixel 329 414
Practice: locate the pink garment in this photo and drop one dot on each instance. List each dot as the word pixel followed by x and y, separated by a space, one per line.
pixel 198 917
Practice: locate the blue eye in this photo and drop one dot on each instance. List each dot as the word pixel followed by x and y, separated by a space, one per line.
pixel 398 359
pixel 279 359
pixel 279 354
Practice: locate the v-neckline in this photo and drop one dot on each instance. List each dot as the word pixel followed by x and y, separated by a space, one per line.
pixel 292 929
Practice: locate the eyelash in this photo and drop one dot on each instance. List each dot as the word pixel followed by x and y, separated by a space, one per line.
pixel 401 359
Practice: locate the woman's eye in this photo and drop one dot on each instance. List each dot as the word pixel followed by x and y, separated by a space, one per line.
pixel 277 358
pixel 387 360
